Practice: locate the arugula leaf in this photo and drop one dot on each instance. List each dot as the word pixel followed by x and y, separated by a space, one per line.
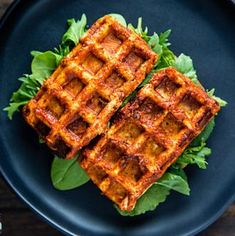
pixel 35 53
pixel 146 80
pixel 128 98
pixel 178 171
pixel 119 18
pixel 13 107
pixel 160 44
pixel 154 43
pixel 155 195
pixel 175 182
pixel 166 59
pixel 67 174
pixel 204 135
pixel 164 38
pixel 27 90
pixel 43 64
pixel 184 64
pixel 158 192
pixel 139 29
pixel 75 31
pixel 221 102
pixel 194 155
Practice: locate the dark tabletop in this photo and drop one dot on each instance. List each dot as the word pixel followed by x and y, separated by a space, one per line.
pixel 16 219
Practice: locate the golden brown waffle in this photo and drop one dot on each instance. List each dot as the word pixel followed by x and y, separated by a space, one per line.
pixel 148 135
pixel 76 103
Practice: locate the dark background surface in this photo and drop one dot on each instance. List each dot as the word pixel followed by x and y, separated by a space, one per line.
pixel 18 219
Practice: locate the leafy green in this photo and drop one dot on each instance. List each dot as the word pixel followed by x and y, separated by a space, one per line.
pixel 146 80
pixel 75 31
pixel 174 182
pixel 43 64
pixel 139 29
pixel 154 43
pixel 27 90
pixel 158 192
pixel 184 64
pixel 119 18
pixel 178 171
pixel 164 38
pixel 194 155
pixel 155 195
pixel 67 174
pixel 204 135
pixel 166 59
pixel 128 98
pixel 221 102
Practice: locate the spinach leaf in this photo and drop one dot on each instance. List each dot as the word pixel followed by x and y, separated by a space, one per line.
pixel 67 174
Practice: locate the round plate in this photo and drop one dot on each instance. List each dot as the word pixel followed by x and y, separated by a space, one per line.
pixel 202 29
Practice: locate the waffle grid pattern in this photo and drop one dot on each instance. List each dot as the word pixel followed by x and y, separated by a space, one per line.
pixel 76 103
pixel 148 135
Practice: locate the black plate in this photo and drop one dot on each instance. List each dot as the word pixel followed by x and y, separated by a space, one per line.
pixel 202 29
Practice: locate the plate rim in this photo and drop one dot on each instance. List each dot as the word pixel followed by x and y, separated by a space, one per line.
pixel 5 17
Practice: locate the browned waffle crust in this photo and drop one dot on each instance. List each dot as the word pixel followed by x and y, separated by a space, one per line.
pixel 76 103
pixel 148 135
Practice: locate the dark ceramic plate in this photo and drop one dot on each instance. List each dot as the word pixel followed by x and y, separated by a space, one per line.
pixel 202 29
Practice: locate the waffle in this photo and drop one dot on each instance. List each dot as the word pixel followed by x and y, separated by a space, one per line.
pixel 76 102
pixel 147 136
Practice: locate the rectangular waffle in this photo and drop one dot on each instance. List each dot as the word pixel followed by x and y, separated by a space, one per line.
pixel 147 136
pixel 77 101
